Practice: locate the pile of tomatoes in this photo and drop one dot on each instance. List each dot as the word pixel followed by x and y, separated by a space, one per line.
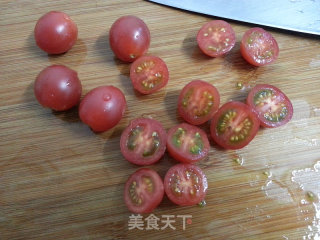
pixel 144 141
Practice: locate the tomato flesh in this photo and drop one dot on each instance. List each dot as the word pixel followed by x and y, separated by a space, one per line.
pixel 102 108
pixel 149 74
pixel 258 47
pixel 187 143
pixel 216 38
pixel 58 87
pixel 198 101
pixel 271 105
pixel 143 191
pixel 55 32
pixel 234 125
pixel 143 142
pixel 129 38
pixel 185 184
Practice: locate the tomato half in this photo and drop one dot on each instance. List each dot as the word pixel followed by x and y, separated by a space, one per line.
pixel 149 74
pixel 143 142
pixel 234 125
pixel 102 108
pixel 198 101
pixel 58 87
pixel 129 38
pixel 143 191
pixel 185 184
pixel 216 38
pixel 271 105
pixel 55 32
pixel 187 143
pixel 258 47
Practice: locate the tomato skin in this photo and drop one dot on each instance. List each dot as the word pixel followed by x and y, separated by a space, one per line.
pixel 151 71
pixel 55 32
pixel 183 152
pixel 129 38
pixel 278 97
pixel 58 87
pixel 194 106
pixel 150 200
pixel 258 47
pixel 189 188
pixel 216 38
pixel 234 119
pixel 102 108
pixel 139 133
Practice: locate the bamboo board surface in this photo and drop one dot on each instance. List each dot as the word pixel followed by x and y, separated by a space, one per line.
pixel 59 180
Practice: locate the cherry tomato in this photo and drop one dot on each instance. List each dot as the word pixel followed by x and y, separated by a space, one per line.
pixel 149 74
pixel 234 125
pixel 55 32
pixel 58 87
pixel 102 108
pixel 216 38
pixel 198 101
pixel 129 38
pixel 187 143
pixel 143 142
pixel 143 191
pixel 258 47
pixel 185 184
pixel 271 105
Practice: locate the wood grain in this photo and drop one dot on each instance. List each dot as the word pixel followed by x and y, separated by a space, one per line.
pixel 59 180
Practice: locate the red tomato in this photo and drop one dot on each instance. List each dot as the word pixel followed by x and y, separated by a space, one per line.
pixel 143 191
pixel 216 38
pixel 149 74
pixel 143 142
pixel 129 38
pixel 271 105
pixel 55 33
pixel 102 108
pixel 259 47
pixel 187 143
pixel 234 125
pixel 198 101
pixel 185 184
pixel 58 87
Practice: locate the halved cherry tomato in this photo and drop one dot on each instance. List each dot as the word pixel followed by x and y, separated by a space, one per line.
pixel 198 101
pixel 143 191
pixel 271 105
pixel 258 47
pixel 149 74
pixel 143 142
pixel 187 143
pixel 55 32
pixel 129 38
pixel 58 87
pixel 234 125
pixel 185 184
pixel 216 38
pixel 102 108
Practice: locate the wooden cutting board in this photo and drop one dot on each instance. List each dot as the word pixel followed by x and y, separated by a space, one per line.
pixel 59 180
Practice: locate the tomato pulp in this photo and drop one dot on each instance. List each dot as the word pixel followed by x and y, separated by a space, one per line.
pixel 143 191
pixel 234 125
pixel 187 143
pixel 216 38
pixel 185 184
pixel 143 142
pixel 198 101
pixel 271 105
